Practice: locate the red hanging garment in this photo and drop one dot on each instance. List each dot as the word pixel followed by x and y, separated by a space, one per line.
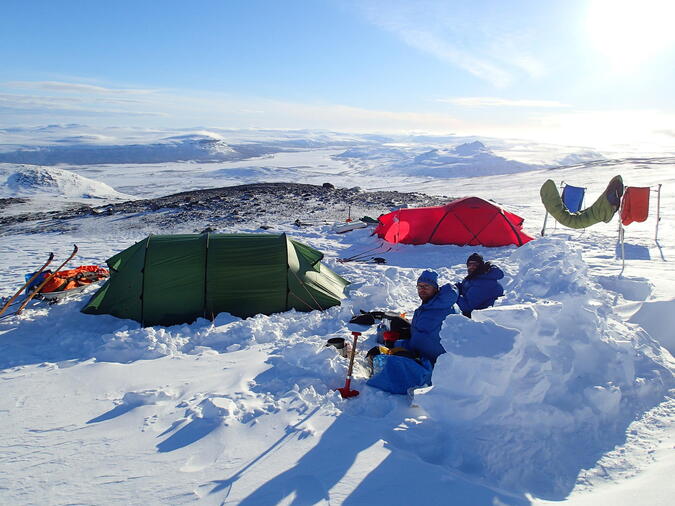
pixel 635 205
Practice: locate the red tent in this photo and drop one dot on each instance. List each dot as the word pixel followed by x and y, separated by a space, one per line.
pixel 470 221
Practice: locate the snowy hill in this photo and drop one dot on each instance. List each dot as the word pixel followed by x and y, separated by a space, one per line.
pixel 473 159
pixel 562 392
pixel 30 181
pixel 579 158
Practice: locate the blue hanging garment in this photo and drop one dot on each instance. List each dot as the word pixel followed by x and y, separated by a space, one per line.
pixel 573 197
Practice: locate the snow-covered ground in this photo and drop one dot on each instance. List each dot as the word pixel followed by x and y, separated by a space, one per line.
pixel 562 392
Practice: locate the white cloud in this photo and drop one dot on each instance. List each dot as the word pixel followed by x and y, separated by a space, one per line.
pixel 42 105
pixel 458 34
pixel 500 102
pixel 445 51
pixel 63 87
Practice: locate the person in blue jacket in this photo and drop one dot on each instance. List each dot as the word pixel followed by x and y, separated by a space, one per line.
pixel 480 288
pixel 437 304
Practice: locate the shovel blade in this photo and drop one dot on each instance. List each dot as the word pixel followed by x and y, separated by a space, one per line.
pixel 346 393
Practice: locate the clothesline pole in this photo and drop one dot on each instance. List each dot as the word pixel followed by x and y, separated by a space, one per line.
pixel 560 190
pixel 658 212
pixel 623 253
pixel 619 239
pixel 581 206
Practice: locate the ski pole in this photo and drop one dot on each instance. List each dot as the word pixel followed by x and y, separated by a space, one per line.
pixel 32 278
pixel 45 281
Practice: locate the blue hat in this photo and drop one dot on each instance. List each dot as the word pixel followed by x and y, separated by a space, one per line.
pixel 429 277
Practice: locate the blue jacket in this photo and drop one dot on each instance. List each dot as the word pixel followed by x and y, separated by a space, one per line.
pixel 427 321
pixel 480 291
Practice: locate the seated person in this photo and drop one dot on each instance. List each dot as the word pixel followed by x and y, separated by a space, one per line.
pixel 437 304
pixel 409 366
pixel 480 288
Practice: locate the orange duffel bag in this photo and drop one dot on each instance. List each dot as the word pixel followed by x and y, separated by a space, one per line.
pixel 73 278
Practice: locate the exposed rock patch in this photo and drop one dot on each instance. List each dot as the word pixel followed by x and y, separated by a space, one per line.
pixel 261 203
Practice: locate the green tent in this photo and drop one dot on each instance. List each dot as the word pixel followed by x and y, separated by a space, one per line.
pixel 170 279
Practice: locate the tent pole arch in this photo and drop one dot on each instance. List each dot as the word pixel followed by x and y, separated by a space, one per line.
pixel 302 283
pixel 475 236
pixel 438 224
pixel 515 232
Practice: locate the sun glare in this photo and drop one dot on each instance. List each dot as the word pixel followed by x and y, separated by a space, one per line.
pixel 627 33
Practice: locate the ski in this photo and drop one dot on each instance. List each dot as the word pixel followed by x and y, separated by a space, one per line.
pixel 45 281
pixel 365 255
pixel 371 260
pixel 11 300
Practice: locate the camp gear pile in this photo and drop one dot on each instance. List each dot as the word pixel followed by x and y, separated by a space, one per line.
pixel 69 279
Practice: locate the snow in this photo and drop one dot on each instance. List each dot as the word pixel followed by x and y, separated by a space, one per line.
pixel 563 392
pixel 29 181
pixel 542 381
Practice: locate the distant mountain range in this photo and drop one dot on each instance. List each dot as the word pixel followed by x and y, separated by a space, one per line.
pixel 424 155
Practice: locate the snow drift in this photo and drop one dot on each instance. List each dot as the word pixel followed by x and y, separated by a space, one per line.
pixel 531 393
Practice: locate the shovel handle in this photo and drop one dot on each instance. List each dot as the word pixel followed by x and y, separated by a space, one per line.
pixel 351 357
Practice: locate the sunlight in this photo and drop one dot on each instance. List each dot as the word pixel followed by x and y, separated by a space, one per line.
pixel 628 33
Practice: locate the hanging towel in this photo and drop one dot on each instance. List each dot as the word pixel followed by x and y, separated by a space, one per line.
pixel 572 197
pixel 635 205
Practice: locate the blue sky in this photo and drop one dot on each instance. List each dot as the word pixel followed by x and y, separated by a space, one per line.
pixel 555 70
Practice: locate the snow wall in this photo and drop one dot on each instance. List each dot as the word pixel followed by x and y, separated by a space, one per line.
pixel 533 392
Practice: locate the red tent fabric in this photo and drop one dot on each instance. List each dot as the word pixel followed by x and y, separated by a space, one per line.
pixel 635 205
pixel 470 221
